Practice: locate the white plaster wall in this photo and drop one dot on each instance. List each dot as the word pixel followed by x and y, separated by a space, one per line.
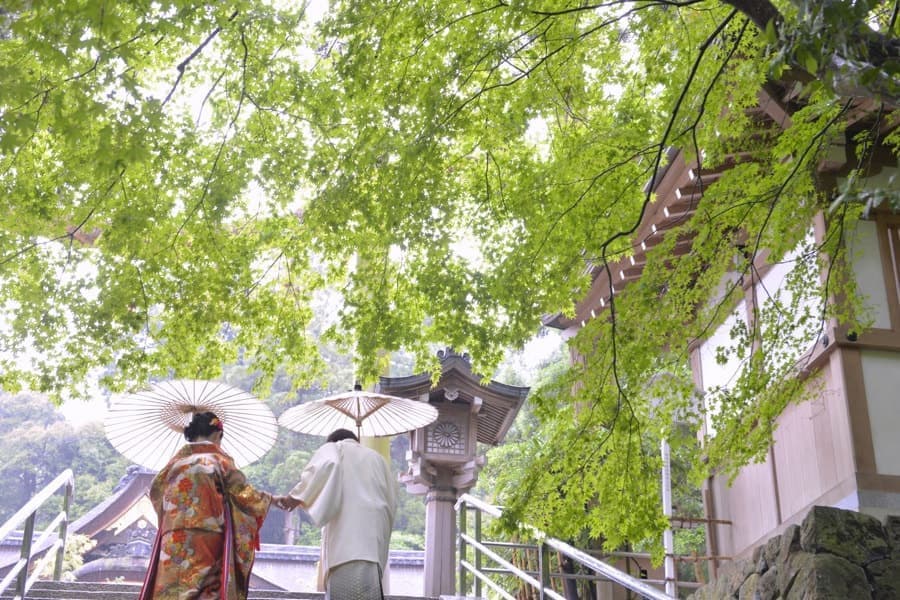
pixel 881 373
pixel 866 257
pixel 712 373
pixel 774 285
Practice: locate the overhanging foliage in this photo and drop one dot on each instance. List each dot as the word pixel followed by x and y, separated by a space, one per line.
pixel 180 180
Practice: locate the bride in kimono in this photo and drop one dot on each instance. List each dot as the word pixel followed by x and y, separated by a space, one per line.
pixel 209 520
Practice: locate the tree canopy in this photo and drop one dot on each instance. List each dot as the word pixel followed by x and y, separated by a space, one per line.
pixel 181 181
pixel 37 444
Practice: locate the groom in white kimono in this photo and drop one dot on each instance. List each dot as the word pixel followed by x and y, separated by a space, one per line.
pixel 349 492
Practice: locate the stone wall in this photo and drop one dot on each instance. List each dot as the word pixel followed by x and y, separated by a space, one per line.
pixel 833 555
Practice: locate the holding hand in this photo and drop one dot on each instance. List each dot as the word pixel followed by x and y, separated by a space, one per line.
pixel 285 502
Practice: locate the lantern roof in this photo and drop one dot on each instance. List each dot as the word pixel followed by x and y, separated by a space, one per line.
pixel 499 402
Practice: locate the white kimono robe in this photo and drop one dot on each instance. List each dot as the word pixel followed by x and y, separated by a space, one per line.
pixel 349 491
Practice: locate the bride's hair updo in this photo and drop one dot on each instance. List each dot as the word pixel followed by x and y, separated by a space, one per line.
pixel 202 425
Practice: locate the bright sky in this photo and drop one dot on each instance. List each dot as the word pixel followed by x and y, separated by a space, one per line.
pixel 79 412
pixel 537 350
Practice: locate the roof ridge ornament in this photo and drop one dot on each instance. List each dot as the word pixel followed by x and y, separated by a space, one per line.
pixel 449 352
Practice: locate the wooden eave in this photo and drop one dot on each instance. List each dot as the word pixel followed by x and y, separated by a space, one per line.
pixel 679 188
pixel 133 487
pixel 678 192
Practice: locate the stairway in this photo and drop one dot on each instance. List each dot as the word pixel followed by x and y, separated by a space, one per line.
pixel 76 590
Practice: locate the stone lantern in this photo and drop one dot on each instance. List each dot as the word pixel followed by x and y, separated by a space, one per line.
pixel 443 457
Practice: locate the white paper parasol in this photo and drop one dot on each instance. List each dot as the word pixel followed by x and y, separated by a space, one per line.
pixel 148 426
pixel 367 413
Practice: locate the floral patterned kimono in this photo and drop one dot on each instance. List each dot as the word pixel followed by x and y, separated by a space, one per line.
pixel 209 520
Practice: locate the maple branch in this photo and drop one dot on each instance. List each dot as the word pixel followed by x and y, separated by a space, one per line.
pixel 849 63
pixel 182 66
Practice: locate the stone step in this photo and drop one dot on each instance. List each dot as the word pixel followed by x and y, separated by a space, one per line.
pixel 80 590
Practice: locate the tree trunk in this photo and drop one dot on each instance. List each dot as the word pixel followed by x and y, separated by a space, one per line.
pixel 759 11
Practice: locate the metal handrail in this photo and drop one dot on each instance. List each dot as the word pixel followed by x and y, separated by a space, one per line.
pixel 581 576
pixel 26 515
pixel 605 570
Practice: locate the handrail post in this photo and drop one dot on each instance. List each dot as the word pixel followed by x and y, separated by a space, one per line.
pixel 544 559
pixel 27 536
pixel 601 571
pixel 63 533
pixel 478 553
pixel 463 508
pixel 671 576
pixel 27 516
